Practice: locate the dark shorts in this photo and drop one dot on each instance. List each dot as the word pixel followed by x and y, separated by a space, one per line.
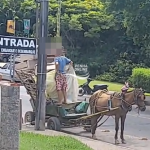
pixel 61 82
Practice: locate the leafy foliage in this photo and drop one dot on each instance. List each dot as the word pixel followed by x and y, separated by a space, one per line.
pixel 110 36
pixel 141 78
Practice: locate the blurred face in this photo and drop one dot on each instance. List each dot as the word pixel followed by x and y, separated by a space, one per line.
pixel 63 54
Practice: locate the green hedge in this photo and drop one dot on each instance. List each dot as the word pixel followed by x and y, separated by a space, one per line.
pixel 141 78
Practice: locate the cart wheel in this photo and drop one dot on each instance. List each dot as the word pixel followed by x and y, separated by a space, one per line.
pixel 29 117
pixel 81 91
pixel 53 123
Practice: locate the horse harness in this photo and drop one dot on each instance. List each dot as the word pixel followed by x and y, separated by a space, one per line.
pixel 135 100
pixel 124 104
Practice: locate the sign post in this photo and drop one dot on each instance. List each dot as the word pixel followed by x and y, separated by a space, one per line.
pixel 17 45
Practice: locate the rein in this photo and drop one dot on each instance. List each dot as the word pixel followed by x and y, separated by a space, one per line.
pixel 135 100
pixel 120 97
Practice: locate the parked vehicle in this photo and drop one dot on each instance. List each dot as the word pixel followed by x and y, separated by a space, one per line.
pixel 86 89
pixel 4 57
pixel 5 69
pixel 17 59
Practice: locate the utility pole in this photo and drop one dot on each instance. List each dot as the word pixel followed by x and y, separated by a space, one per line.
pixel 37 19
pixel 58 18
pixel 42 67
pixel 13 56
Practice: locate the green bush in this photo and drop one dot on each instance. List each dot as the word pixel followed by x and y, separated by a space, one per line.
pixel 106 77
pixel 130 81
pixel 141 78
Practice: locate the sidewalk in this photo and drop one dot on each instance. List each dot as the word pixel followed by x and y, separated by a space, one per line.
pixel 94 144
pixel 147 101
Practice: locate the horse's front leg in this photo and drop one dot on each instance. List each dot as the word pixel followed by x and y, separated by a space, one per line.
pixel 116 128
pixel 123 118
pixel 94 126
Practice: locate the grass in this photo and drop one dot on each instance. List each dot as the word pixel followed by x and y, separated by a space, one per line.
pixel 31 141
pixel 111 85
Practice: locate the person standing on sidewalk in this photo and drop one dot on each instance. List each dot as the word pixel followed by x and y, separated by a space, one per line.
pixel 60 77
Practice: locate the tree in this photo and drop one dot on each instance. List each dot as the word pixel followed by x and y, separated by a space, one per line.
pixel 16 10
pixel 110 36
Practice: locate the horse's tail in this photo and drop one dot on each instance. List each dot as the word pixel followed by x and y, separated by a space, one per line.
pixel 91 104
pixel 93 99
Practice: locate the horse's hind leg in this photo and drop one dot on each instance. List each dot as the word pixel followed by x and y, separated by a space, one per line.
pixel 122 129
pixel 116 128
pixel 94 126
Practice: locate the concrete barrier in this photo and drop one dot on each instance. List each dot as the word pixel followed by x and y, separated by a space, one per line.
pixel 10 116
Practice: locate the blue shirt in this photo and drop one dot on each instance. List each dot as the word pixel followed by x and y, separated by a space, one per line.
pixel 62 61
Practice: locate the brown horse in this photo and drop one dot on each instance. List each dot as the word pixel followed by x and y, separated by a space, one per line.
pixel 99 102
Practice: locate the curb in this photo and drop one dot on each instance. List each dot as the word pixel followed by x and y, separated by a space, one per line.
pixel 147 103
pixel 93 144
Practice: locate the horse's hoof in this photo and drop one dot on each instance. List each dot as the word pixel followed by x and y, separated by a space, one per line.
pixel 117 142
pixel 123 141
pixel 94 137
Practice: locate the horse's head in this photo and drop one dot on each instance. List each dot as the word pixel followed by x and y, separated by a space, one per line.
pixel 139 98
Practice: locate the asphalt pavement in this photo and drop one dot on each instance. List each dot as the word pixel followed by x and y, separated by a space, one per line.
pixel 137 127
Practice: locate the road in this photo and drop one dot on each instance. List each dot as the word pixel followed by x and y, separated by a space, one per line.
pixel 137 126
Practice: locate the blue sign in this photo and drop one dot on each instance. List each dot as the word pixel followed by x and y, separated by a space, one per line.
pixel 26 26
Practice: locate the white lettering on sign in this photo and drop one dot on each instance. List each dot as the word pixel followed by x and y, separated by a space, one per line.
pixel 17 43
pixel 20 51
pixel 4 50
pixel 26 51
pixel 81 67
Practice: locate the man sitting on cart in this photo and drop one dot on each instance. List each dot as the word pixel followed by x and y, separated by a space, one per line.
pixel 60 77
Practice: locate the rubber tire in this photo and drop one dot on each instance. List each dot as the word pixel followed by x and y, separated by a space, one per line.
pixel 55 122
pixel 81 93
pixel 32 116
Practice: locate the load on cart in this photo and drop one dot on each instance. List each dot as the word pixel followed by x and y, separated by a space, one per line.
pixel 56 115
pixel 72 85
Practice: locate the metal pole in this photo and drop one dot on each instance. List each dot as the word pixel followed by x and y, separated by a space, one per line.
pixel 14 58
pixel 12 63
pixel 37 20
pixel 20 115
pixel 41 70
pixel 58 18
pixel 11 66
